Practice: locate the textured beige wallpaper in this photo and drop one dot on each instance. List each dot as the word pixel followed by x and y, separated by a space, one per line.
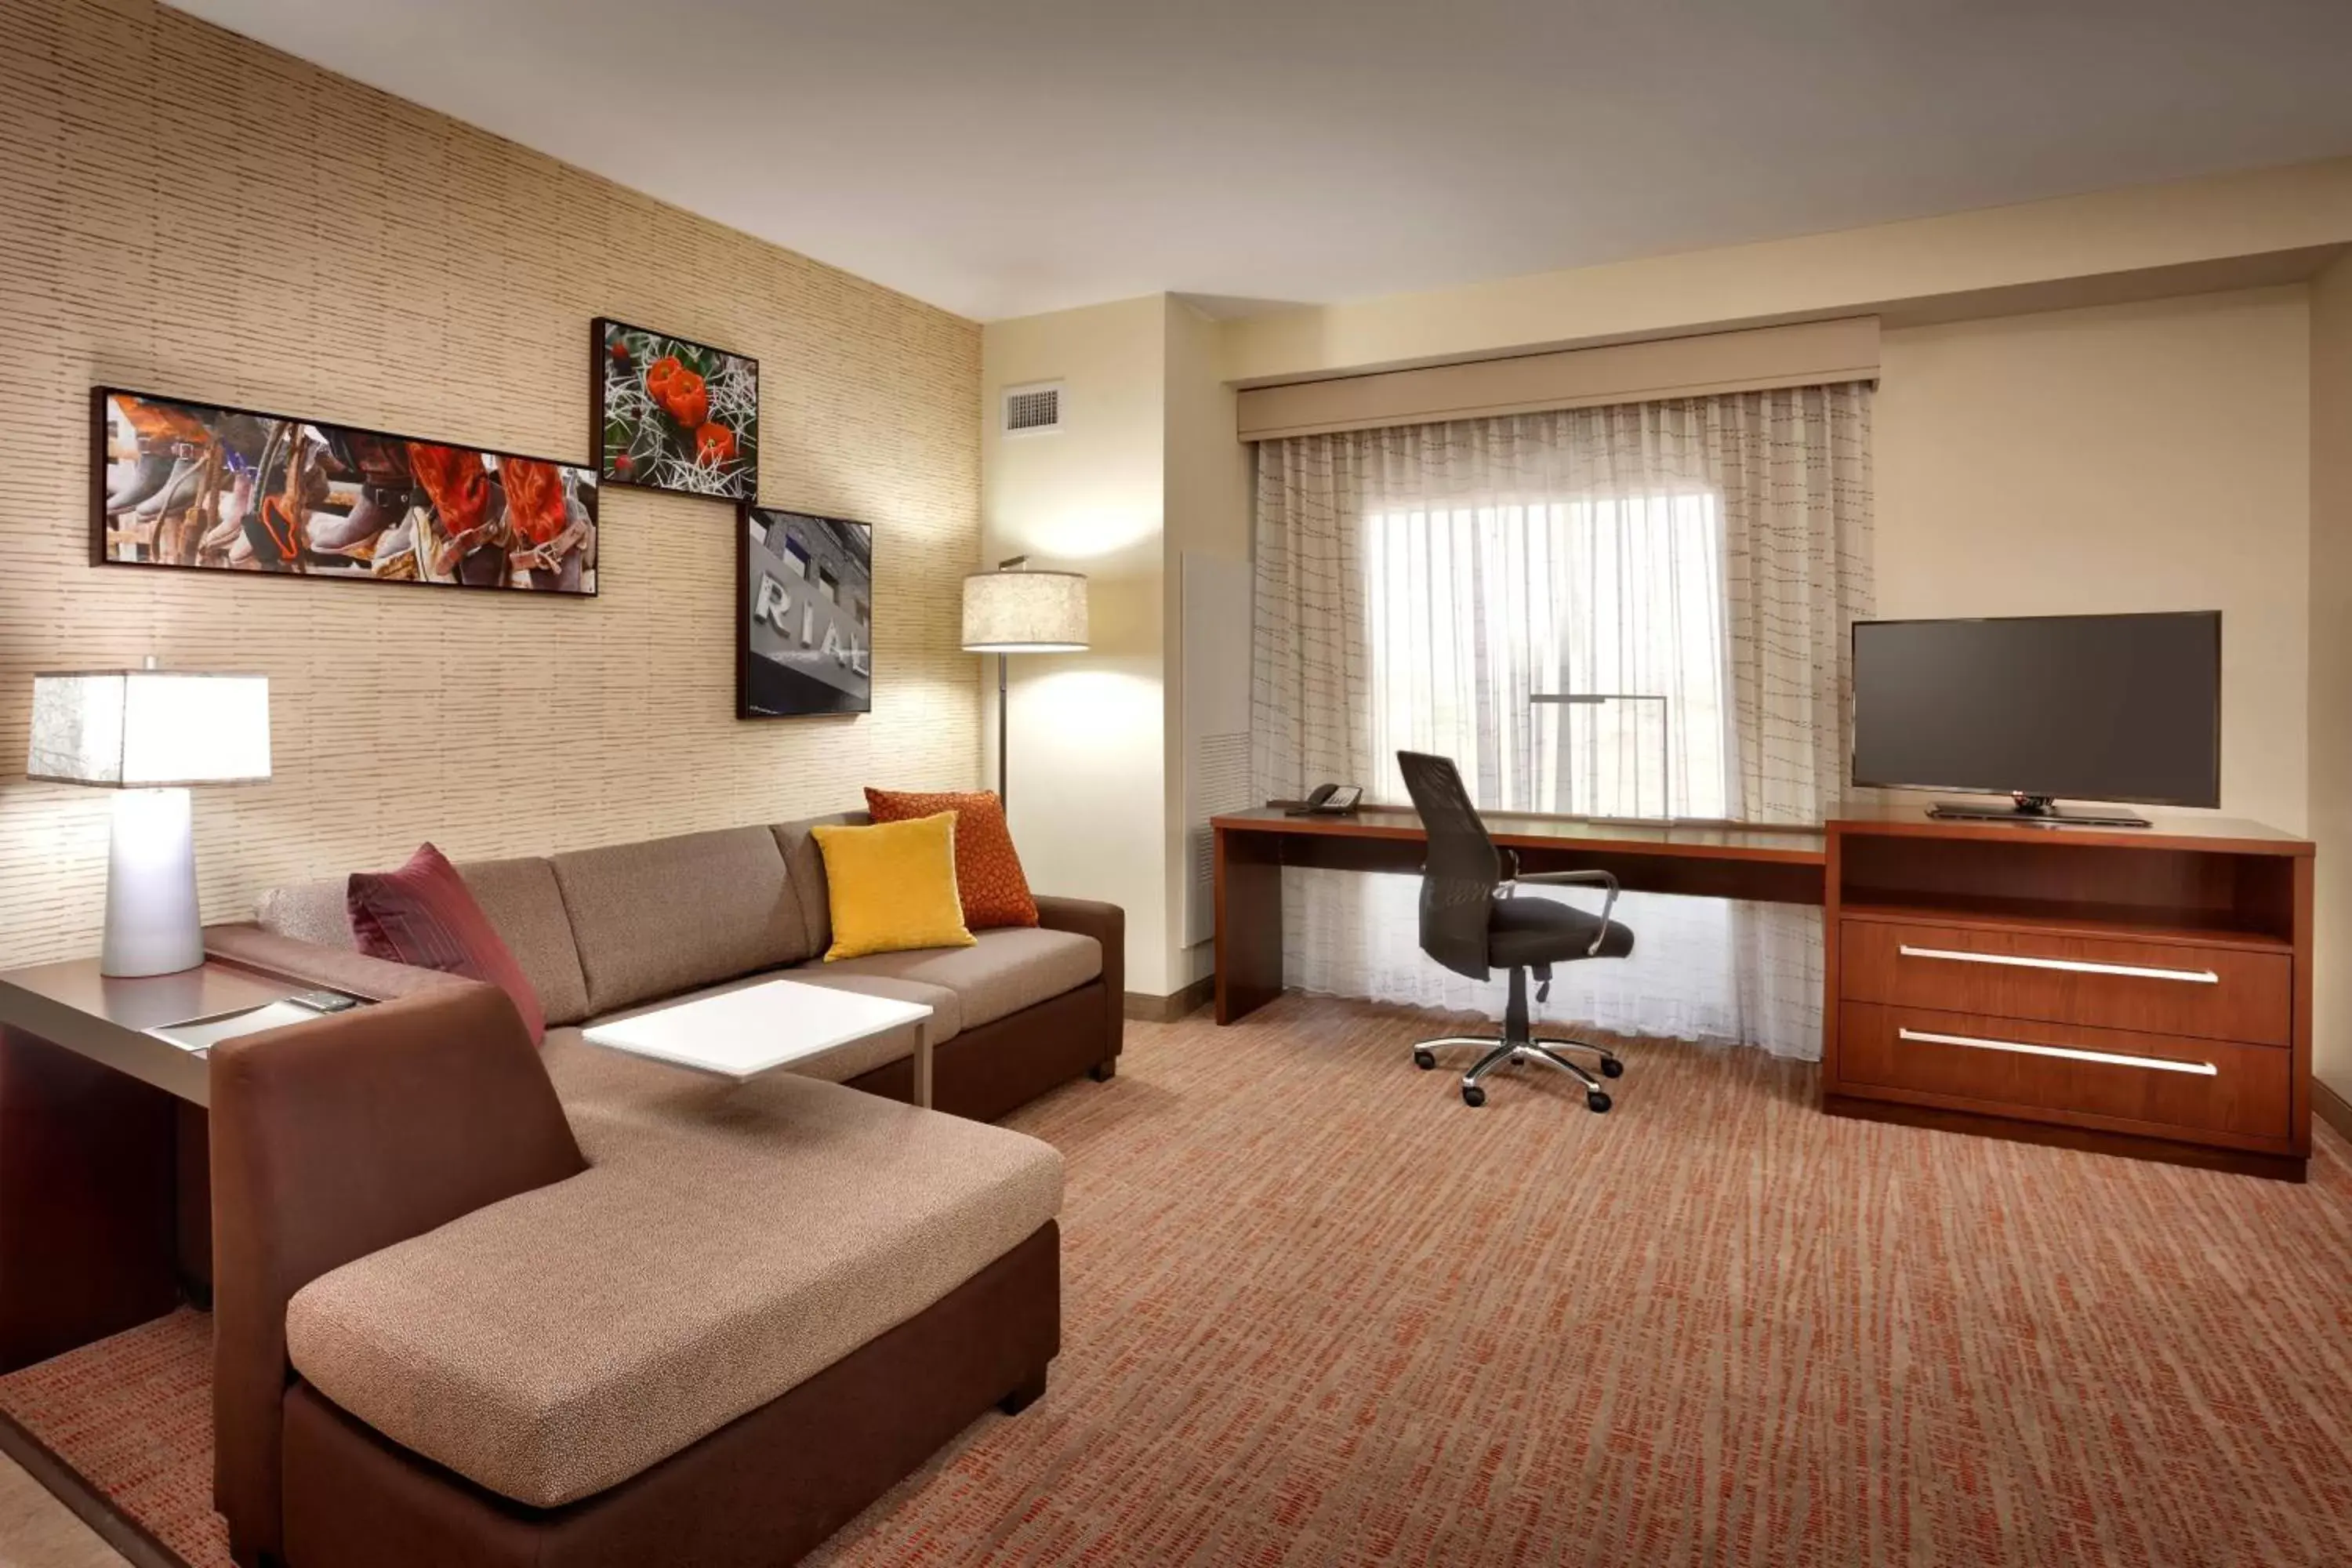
pixel 186 212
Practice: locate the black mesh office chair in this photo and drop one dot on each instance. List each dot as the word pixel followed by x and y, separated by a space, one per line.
pixel 1469 922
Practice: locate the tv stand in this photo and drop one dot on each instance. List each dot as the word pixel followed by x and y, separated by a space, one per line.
pixel 2034 811
pixel 2143 992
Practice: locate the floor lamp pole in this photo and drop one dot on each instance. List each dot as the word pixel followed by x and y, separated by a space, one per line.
pixel 1000 730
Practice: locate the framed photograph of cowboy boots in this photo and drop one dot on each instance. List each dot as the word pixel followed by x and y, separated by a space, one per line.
pixel 203 487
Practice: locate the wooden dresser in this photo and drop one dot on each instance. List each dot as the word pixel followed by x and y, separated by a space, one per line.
pixel 2142 991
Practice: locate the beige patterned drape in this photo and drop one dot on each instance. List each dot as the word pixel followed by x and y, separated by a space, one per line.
pixel 1417 586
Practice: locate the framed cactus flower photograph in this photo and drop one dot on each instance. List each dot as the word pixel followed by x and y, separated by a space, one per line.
pixel 674 415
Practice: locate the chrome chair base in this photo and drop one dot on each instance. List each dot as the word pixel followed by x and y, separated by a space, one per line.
pixel 1502 1051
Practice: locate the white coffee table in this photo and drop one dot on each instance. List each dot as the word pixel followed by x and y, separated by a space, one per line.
pixel 742 1034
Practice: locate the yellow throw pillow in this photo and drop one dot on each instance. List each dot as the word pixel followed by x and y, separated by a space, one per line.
pixel 892 885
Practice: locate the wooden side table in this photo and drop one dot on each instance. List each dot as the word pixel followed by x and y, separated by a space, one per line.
pixel 105 1188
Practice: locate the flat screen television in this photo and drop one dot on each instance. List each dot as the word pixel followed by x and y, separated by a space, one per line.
pixel 2100 708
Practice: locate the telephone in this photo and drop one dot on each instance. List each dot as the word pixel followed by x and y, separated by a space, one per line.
pixel 1329 800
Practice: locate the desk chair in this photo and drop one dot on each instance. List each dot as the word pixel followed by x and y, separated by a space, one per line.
pixel 1469 920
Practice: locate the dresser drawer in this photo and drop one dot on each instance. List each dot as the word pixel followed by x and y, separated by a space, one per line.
pixel 2127 1080
pixel 2164 988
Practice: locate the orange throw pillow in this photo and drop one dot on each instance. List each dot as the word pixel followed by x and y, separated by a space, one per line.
pixel 988 868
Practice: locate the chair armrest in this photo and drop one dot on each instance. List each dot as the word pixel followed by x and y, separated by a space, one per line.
pixel 1107 923
pixel 1588 879
pixel 334 968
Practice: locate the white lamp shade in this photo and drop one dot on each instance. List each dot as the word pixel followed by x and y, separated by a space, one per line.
pixel 1024 612
pixel 150 729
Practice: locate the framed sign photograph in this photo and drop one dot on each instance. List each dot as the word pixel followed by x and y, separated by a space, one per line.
pixel 803 615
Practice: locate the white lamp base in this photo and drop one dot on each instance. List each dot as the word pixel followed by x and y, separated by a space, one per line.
pixel 152 926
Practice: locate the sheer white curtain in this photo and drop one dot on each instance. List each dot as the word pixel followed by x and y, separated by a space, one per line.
pixel 1689 568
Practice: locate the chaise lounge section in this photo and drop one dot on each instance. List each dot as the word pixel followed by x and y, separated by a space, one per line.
pixel 461 1322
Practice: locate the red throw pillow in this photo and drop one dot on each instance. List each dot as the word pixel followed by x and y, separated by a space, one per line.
pixel 988 868
pixel 424 915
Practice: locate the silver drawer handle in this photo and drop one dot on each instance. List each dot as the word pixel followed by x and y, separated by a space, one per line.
pixel 2072 965
pixel 2201 1069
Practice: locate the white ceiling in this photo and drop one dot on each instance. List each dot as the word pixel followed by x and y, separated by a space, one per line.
pixel 1021 155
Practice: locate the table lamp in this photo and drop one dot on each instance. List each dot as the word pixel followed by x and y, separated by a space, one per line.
pixel 1011 610
pixel 149 735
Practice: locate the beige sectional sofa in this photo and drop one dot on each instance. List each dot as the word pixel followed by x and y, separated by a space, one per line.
pixel 481 1305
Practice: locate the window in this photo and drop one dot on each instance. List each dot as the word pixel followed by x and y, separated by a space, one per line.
pixel 1475 611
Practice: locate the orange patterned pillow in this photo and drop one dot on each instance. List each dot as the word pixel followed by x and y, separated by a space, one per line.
pixel 988 868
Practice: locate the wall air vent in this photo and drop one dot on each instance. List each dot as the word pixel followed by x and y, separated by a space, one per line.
pixel 1033 410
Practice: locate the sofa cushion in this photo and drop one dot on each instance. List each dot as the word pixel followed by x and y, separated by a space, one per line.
pixel 523 902
pixel 988 878
pixel 670 914
pixel 804 862
pixel 724 1246
pixel 892 886
pixel 518 896
pixel 423 914
pixel 316 911
pixel 1001 973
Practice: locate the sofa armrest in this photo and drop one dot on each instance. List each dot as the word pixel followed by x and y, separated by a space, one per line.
pixel 1107 923
pixel 335 968
pixel 335 1138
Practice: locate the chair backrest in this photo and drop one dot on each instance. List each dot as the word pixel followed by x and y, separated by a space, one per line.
pixel 1462 869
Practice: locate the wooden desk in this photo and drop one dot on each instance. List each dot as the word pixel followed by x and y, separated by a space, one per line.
pixel 2144 992
pixel 1770 865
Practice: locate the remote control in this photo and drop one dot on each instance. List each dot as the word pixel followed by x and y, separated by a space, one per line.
pixel 324 1001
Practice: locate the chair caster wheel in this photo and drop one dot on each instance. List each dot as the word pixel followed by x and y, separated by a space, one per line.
pixel 1473 1095
pixel 1612 1068
pixel 1424 1060
pixel 1596 1102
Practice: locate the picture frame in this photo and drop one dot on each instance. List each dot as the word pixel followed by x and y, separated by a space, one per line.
pixel 667 412
pixel 179 484
pixel 803 615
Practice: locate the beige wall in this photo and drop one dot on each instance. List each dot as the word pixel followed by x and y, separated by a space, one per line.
pixel 1208 514
pixel 2331 662
pixel 2029 247
pixel 2150 457
pixel 184 211
pixel 1088 800
pixel 1145 468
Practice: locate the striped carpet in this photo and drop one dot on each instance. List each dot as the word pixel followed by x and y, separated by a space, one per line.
pixel 1318 1310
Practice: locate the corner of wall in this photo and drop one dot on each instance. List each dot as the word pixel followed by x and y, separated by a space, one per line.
pixel 1208 514
pixel 2330 722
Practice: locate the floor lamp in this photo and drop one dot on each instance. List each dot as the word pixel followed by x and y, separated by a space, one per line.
pixel 1012 610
